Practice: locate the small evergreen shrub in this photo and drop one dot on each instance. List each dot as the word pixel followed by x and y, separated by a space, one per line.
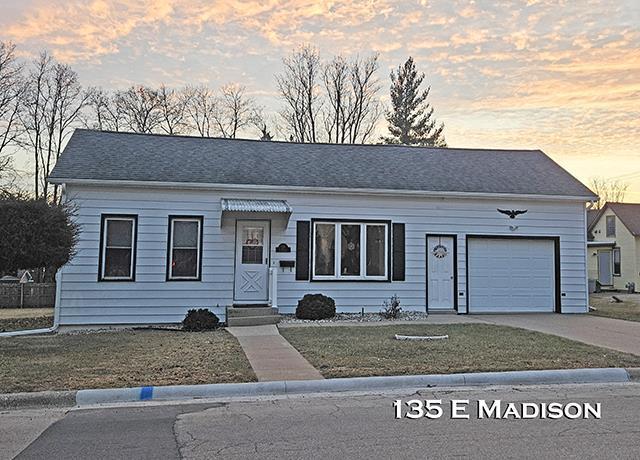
pixel 316 306
pixel 200 320
pixel 391 308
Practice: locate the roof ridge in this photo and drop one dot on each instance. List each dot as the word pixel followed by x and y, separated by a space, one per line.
pixel 418 147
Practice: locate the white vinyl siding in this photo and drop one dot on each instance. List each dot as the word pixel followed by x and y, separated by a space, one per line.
pixel 153 300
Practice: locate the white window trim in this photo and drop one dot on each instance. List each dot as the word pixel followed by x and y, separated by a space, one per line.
pixel 337 276
pixel 173 220
pixel 105 223
pixel 606 226
pixel 613 262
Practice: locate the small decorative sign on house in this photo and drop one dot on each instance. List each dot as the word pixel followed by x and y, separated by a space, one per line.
pixel 439 251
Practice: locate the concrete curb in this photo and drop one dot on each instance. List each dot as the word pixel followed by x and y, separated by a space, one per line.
pixel 285 387
pixel 40 399
pixel 166 393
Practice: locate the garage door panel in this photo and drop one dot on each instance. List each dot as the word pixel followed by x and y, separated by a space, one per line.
pixel 511 275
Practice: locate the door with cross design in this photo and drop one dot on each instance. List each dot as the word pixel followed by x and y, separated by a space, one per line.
pixel 252 261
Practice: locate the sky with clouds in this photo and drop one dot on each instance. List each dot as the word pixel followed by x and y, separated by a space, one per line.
pixel 562 76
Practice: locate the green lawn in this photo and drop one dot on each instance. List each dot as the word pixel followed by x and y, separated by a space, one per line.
pixel 628 310
pixel 120 359
pixel 367 351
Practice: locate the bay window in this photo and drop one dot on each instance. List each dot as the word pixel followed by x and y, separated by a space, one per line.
pixel 350 251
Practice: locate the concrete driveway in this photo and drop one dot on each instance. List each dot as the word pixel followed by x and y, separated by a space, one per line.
pixel 603 332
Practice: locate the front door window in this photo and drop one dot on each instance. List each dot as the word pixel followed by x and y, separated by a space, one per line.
pixel 252 245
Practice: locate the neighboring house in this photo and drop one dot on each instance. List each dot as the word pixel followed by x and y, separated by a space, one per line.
pixel 592 215
pixel 170 223
pixel 614 248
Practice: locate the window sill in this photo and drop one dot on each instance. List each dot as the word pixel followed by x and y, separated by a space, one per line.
pixel 350 280
pixel 116 280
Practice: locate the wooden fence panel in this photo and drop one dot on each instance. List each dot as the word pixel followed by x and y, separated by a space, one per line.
pixel 18 295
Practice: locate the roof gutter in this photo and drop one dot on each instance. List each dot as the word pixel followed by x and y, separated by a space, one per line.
pixel 314 190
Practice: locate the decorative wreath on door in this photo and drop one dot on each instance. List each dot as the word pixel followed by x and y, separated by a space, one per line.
pixel 439 251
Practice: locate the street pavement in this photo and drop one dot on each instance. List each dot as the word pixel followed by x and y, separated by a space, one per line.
pixel 331 426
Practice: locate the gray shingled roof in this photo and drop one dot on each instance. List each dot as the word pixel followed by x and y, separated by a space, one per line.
pixel 96 155
pixel 628 213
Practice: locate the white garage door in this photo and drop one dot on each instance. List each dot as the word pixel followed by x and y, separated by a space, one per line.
pixel 511 275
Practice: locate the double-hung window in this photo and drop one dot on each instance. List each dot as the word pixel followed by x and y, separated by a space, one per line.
pixel 350 251
pixel 118 247
pixel 185 248
pixel 616 262
pixel 611 226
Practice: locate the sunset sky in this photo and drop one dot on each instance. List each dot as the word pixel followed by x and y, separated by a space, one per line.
pixel 562 76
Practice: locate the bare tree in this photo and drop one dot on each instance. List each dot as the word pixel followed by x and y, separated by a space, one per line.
pixel 51 105
pixel 11 90
pixel 172 110
pixel 102 113
pixel 341 93
pixel 236 110
pixel 35 102
pixel 300 90
pixel 611 191
pixel 140 109
pixel 261 123
pixel 352 109
pixel 70 99
pixel 337 113
pixel 201 107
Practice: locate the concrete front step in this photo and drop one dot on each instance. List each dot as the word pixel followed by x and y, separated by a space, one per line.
pixel 252 320
pixel 236 312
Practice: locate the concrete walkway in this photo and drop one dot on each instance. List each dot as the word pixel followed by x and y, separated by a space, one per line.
pixel 611 333
pixel 271 356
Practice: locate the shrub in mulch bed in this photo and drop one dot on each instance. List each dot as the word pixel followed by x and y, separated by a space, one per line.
pixel 316 306
pixel 200 320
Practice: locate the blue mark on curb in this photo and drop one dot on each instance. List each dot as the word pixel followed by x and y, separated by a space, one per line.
pixel 146 393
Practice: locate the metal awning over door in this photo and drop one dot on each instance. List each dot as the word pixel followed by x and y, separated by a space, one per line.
pixel 270 206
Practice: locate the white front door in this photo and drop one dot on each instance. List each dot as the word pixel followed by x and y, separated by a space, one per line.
pixel 440 276
pixel 604 268
pixel 252 261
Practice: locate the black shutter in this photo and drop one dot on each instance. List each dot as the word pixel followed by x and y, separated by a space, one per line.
pixel 302 249
pixel 398 252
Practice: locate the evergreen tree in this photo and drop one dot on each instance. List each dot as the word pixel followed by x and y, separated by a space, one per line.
pixel 411 120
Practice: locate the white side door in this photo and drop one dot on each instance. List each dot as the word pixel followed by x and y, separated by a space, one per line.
pixel 251 282
pixel 604 268
pixel 440 275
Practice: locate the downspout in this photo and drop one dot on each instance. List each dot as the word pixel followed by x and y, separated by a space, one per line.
pixel 56 315
pixel 589 207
